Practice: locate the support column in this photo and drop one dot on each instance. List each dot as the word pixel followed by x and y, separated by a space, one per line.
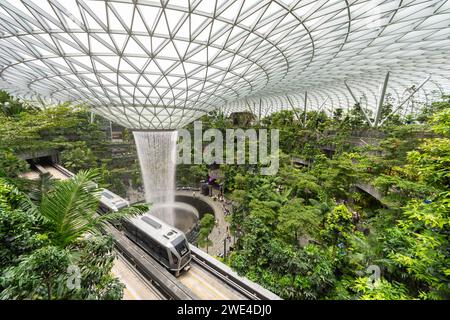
pixel 248 106
pixel 293 108
pixel 406 100
pixel 323 103
pixel 358 103
pixel 304 108
pixel 380 103
pixel 260 106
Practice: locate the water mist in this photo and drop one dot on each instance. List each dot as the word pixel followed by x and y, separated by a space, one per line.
pixel 157 158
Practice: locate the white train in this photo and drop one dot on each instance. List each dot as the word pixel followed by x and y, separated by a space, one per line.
pixel 163 242
pixel 110 201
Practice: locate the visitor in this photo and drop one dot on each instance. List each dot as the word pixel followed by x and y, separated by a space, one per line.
pixel 193 194
pixel 355 217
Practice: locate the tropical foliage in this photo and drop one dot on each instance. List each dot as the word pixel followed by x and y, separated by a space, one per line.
pixel 49 245
pixel 206 226
pixel 353 212
pixel 82 143
pixel 311 232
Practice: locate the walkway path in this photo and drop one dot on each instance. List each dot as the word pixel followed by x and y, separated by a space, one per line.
pixel 219 233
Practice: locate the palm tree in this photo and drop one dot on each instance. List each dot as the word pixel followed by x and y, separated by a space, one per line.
pixel 70 209
pixel 66 214
pixel 206 226
pixel 38 188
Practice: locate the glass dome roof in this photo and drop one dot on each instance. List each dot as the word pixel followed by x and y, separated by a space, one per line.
pixel 162 64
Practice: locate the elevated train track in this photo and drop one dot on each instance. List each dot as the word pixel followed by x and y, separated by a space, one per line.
pixel 246 288
pixel 207 284
pixel 137 286
pixel 162 280
pixel 145 278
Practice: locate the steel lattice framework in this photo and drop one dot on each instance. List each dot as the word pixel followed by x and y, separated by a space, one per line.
pixel 162 64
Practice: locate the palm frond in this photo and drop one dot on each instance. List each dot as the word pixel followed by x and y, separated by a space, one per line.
pixel 41 186
pixel 31 208
pixel 71 206
pixel 134 210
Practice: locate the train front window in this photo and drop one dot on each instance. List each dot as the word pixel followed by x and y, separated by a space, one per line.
pixel 181 246
pixel 174 259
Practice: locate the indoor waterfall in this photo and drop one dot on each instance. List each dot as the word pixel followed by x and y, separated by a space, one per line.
pixel 157 158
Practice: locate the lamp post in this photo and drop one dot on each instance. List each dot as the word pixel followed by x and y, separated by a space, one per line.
pixel 225 248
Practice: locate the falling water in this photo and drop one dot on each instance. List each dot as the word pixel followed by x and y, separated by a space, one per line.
pixel 157 158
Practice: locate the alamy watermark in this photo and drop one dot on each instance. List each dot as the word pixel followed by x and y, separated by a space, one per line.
pixel 74 277
pixel 373 273
pixel 374 280
pixel 231 149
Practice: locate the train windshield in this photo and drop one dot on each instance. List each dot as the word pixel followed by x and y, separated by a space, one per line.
pixel 180 245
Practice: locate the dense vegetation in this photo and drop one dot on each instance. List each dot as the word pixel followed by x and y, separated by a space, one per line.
pixel 51 245
pixel 311 233
pixel 82 143
pixel 53 248
pixel 308 232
